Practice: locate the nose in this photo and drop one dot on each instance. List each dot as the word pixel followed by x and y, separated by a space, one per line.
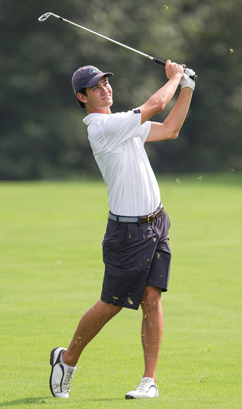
pixel 105 88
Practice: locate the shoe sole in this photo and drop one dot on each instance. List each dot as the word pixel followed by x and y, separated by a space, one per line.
pixel 52 363
pixel 132 397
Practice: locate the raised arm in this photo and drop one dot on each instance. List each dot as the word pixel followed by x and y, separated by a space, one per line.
pixel 158 101
pixel 170 128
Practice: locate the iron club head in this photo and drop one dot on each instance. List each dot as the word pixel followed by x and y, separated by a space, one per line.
pixel 44 16
pixel 47 15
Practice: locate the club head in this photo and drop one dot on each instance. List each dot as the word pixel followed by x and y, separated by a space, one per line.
pixel 44 16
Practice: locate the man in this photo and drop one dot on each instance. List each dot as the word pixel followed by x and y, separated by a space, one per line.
pixel 136 250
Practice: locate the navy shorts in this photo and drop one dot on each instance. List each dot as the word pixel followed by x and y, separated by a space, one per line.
pixel 135 255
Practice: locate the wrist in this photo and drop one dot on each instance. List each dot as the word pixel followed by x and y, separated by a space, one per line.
pixel 178 76
pixel 187 89
pixel 189 85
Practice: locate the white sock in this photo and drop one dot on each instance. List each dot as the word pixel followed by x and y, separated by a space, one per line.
pixel 65 365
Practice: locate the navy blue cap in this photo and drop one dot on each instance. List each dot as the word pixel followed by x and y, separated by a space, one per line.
pixel 87 76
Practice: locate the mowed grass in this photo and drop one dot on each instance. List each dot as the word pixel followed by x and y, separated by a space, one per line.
pixel 51 273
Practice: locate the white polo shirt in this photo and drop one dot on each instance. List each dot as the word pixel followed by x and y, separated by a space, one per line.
pixel 117 141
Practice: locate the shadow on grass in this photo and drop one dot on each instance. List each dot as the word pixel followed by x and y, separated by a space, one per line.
pixel 25 401
pixel 42 400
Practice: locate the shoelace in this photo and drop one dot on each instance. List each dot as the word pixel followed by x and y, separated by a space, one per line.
pixel 69 376
pixel 143 385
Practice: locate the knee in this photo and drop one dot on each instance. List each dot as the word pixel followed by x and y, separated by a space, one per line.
pixel 151 297
pixel 107 310
pixel 112 310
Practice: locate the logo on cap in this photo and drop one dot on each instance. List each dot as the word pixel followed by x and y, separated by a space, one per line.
pixel 93 70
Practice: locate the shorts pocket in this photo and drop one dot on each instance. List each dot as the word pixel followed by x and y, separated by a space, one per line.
pixel 114 239
pixel 109 251
pixel 130 250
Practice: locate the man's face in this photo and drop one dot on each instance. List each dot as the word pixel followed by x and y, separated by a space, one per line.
pixel 98 98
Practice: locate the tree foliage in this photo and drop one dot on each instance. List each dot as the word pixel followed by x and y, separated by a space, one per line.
pixel 42 134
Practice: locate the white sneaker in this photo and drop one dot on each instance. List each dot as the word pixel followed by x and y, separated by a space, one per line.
pixel 61 376
pixel 146 389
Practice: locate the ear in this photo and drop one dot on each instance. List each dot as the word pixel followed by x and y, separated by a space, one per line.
pixel 82 98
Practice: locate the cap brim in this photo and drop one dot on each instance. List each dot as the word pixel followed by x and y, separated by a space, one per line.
pixel 93 81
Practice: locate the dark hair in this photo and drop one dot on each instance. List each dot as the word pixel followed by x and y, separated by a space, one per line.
pixel 84 92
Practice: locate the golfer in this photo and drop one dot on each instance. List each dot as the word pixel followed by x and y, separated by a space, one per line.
pixel 136 250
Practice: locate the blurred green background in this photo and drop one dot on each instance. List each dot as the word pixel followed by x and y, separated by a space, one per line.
pixel 42 134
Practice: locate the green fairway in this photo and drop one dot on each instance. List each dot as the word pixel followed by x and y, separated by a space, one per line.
pixel 51 273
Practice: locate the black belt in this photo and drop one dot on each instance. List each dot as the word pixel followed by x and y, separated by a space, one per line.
pixel 142 219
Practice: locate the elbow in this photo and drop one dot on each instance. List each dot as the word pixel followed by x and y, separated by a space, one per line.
pixel 158 106
pixel 152 107
pixel 172 132
pixel 173 135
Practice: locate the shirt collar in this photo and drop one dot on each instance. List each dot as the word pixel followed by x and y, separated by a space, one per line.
pixel 93 117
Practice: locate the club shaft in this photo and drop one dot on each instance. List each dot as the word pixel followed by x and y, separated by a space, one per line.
pixel 109 39
pixel 46 15
pixel 106 38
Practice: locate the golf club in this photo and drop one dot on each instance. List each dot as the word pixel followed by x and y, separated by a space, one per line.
pixel 47 15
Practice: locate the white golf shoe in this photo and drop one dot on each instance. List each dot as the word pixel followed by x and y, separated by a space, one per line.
pixel 146 389
pixel 61 375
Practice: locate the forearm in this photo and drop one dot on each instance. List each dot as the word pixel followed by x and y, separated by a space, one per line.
pixel 164 95
pixel 169 129
pixel 158 101
pixel 176 118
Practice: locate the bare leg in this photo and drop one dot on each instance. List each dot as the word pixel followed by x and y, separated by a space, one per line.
pixel 89 326
pixel 152 329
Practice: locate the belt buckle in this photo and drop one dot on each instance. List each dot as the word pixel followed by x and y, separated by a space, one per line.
pixel 148 217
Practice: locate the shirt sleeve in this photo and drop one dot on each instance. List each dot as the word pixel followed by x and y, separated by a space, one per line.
pixel 120 127
pixel 145 130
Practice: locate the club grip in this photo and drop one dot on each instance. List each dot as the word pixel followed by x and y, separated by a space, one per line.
pixel 159 61
pixel 193 77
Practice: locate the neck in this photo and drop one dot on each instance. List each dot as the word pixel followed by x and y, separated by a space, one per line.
pixel 91 110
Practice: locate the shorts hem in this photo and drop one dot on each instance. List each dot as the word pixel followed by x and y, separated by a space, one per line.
pixel 126 304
